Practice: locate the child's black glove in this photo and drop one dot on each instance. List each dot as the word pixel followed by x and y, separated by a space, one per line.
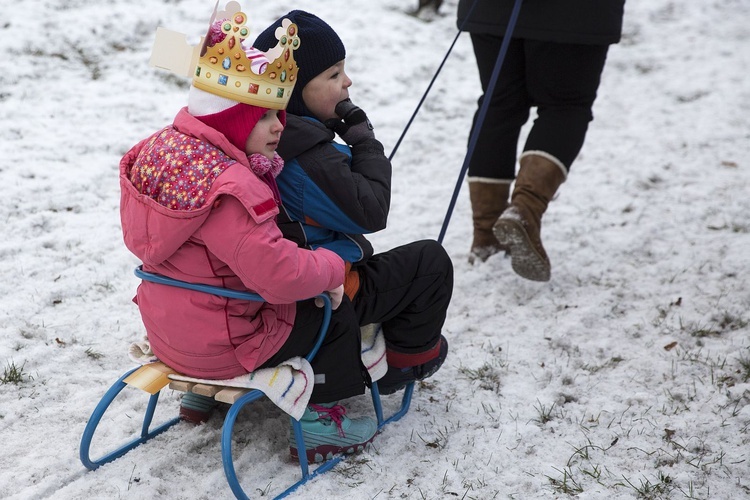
pixel 354 127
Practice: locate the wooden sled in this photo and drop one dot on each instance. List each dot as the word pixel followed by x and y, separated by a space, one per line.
pixel 153 378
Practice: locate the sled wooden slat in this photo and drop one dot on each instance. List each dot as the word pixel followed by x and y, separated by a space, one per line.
pixel 151 377
pixel 206 390
pixel 181 385
pixel 230 394
pixel 220 393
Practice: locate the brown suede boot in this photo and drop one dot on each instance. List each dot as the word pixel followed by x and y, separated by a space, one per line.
pixel 488 200
pixel 520 225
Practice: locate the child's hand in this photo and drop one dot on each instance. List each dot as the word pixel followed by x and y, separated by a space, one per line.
pixel 337 294
pixel 354 127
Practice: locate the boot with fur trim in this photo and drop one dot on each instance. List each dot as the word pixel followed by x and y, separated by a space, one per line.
pixel 489 197
pixel 519 227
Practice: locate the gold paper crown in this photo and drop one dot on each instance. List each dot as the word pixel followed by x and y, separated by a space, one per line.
pixel 224 69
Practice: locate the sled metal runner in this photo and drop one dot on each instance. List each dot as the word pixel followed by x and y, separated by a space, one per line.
pixel 147 432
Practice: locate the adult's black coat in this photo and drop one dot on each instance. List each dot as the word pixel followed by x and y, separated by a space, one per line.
pixel 590 22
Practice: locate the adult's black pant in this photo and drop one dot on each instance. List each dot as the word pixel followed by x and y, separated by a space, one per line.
pixel 559 79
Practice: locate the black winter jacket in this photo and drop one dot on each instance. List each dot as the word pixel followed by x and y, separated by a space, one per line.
pixel 333 194
pixel 588 22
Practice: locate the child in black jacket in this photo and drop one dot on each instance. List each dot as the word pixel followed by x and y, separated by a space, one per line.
pixel 334 193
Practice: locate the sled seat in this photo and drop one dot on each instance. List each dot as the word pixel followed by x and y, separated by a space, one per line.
pixel 154 377
pixel 220 393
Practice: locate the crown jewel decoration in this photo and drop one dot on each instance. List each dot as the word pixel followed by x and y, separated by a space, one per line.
pixel 224 67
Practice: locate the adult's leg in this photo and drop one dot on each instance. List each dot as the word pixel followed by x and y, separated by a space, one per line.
pixel 562 80
pixel 492 166
pixel 494 155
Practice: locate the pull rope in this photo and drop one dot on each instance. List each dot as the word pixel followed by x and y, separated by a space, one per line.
pixel 434 77
pixel 482 113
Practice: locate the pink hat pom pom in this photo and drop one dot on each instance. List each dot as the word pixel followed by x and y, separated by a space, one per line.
pixel 215 33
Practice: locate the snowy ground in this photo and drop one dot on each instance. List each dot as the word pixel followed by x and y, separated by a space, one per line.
pixel 625 376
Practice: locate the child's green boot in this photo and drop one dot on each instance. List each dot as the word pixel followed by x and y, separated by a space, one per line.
pixel 327 431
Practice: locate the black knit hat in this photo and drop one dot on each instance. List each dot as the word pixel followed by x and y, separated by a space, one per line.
pixel 320 48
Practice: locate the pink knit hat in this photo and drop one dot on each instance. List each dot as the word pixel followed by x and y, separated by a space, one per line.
pixel 233 119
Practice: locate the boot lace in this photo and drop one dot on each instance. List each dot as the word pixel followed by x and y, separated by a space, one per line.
pixel 335 413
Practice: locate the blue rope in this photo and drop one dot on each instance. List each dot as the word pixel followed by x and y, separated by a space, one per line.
pixel 482 114
pixel 434 77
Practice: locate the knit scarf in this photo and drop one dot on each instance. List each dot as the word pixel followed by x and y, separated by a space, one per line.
pixel 260 165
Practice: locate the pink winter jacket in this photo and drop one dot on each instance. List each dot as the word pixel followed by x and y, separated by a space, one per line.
pixel 229 240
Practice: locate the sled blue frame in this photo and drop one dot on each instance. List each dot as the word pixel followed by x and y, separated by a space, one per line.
pixel 226 433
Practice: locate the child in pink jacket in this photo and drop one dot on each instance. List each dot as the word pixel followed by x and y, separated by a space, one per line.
pixel 199 203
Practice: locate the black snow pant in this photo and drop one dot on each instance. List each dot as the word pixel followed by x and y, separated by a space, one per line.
pixel 407 290
pixel 559 79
